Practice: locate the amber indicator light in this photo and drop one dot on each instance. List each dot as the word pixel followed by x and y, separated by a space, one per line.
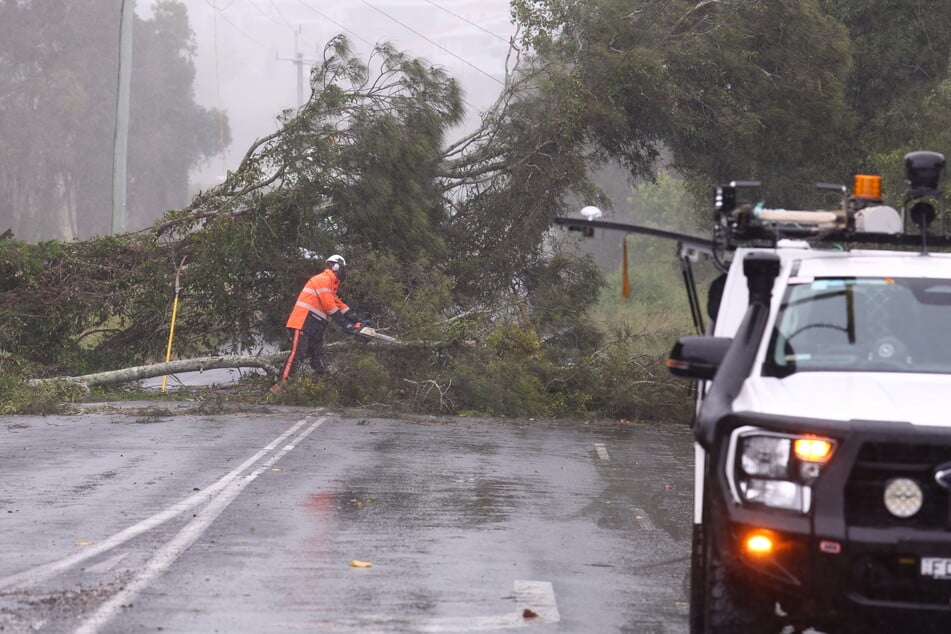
pixel 813 449
pixel 759 544
pixel 867 187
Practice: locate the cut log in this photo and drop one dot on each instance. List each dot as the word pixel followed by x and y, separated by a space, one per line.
pixel 272 362
pixel 269 362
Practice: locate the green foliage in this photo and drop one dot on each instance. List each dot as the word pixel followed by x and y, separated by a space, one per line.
pixel 361 378
pixel 638 387
pixel 628 378
pixel 505 377
pixel 561 290
pixel 501 388
pixel 39 319
pixel 666 202
pixel 18 398
pixel 716 83
pixel 509 340
pixel 395 195
pixel 408 295
pixel 308 391
pixel 657 307
pixel 900 58
pixel 35 401
pixel 736 80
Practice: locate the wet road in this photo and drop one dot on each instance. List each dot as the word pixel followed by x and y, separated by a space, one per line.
pixel 174 521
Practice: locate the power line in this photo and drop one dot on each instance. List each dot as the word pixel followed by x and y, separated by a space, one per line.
pixel 340 26
pixel 465 19
pixel 439 46
pixel 213 5
pixel 266 15
pixel 278 11
pixel 286 21
pixel 335 23
pixel 250 37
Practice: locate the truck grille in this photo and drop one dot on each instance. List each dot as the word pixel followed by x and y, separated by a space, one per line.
pixel 877 463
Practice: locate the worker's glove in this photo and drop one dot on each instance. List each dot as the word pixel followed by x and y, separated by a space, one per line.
pixel 355 318
pixel 341 320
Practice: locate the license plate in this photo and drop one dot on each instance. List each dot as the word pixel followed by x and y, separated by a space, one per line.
pixel 936 567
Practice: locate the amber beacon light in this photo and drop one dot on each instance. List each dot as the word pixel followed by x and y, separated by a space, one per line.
pixel 867 187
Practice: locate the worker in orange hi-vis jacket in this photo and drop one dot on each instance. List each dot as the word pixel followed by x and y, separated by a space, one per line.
pixel 317 304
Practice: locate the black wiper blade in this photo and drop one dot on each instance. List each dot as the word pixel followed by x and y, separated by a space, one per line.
pixel 850 312
pixel 818 296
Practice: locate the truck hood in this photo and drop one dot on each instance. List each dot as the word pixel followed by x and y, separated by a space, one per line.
pixel 921 399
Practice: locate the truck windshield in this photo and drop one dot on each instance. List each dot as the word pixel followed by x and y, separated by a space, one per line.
pixel 862 325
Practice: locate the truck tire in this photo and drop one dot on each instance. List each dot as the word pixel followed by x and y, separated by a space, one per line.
pixel 727 606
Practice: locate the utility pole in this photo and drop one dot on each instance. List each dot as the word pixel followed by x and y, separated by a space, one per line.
pixel 299 61
pixel 121 145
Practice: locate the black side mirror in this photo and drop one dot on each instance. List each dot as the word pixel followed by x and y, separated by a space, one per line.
pixel 698 357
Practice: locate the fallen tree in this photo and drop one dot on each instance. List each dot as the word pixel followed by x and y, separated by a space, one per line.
pixel 271 362
pixel 446 242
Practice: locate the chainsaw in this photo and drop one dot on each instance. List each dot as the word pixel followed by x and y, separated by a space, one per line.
pixel 363 331
pixel 370 333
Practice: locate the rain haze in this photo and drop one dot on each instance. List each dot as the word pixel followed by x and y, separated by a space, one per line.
pixel 252 54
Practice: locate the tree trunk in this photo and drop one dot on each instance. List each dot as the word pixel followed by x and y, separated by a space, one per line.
pixel 270 362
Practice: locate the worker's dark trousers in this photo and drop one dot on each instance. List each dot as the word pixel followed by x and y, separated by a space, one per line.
pixel 309 342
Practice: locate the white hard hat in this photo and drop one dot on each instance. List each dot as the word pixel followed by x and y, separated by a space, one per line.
pixel 336 262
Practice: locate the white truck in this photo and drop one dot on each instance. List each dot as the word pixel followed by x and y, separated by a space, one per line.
pixel 823 424
pixel 823 419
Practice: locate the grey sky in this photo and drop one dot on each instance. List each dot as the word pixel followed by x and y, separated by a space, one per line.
pixel 246 50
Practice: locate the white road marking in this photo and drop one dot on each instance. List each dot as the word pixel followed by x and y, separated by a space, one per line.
pixel 41 573
pixel 537 596
pixel 643 519
pixel 107 564
pixel 167 555
pixel 602 451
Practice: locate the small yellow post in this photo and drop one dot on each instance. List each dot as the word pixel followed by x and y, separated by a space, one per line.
pixel 171 330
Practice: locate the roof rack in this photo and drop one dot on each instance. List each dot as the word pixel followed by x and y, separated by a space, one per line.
pixel 861 219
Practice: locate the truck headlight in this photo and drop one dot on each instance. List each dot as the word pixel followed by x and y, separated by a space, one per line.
pixel 776 469
pixel 766 456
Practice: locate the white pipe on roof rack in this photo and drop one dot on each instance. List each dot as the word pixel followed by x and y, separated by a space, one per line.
pixel 790 215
